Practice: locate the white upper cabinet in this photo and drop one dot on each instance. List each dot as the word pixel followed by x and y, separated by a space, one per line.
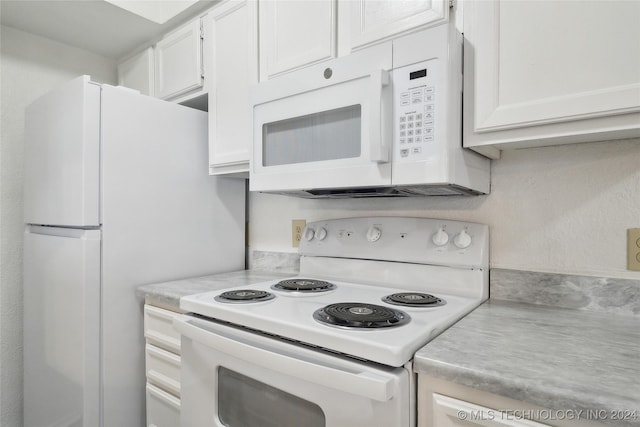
pixel 137 72
pixel 178 65
pixel 550 72
pixel 295 34
pixel 364 22
pixel 232 28
pixel 298 33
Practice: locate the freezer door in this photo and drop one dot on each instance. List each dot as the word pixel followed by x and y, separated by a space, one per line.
pixel 61 327
pixel 62 156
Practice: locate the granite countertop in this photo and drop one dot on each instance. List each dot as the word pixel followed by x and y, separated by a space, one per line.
pixel 168 294
pixel 556 358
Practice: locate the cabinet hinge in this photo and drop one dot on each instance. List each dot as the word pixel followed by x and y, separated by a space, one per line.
pixel 451 3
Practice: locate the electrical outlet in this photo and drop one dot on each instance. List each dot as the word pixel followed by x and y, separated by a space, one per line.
pixel 633 249
pixel 297 225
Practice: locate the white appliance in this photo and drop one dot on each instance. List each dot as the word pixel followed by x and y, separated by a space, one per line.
pixel 117 195
pixel 332 347
pixel 384 121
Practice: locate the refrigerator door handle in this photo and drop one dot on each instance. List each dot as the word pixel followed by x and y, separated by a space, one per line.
pixel 92 233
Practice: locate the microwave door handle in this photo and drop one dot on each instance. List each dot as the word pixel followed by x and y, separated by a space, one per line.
pixel 378 140
pixel 246 346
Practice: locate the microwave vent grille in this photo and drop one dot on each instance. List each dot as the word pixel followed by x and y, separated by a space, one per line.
pixel 371 192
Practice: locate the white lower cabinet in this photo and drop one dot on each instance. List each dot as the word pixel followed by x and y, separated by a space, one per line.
pixel 163 409
pixel 445 404
pixel 163 369
pixel 449 412
pixel 163 361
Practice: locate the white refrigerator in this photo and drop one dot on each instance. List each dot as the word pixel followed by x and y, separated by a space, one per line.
pixel 117 194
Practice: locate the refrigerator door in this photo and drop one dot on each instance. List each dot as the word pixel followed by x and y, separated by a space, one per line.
pixel 62 156
pixel 61 327
pixel 164 218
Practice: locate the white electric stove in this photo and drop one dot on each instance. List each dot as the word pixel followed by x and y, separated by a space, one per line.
pixel 371 291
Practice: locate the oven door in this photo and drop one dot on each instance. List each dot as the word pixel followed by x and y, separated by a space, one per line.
pixel 236 378
pixel 326 126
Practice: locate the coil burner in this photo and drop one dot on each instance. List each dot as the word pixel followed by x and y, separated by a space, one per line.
pixel 414 299
pixel 240 296
pixel 303 285
pixel 360 315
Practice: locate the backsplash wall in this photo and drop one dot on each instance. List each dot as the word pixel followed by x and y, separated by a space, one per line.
pixel 561 209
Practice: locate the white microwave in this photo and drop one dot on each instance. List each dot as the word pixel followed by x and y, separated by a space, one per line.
pixel 383 121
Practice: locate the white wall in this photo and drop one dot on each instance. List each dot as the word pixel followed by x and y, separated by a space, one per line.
pixel 30 66
pixel 556 209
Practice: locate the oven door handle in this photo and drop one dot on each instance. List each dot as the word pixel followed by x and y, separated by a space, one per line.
pixel 307 365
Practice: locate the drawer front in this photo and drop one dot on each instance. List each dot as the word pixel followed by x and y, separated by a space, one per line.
pixel 163 409
pixel 163 369
pixel 158 328
pixel 450 412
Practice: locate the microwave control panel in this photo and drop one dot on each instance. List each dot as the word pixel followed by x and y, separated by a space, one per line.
pixel 415 108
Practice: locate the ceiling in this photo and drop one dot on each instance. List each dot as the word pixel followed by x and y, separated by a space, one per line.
pixel 94 25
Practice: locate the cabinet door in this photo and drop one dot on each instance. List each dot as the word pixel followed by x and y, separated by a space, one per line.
pixel 549 72
pixel 163 409
pixel 448 412
pixel 179 62
pixel 294 34
pixel 137 72
pixel 364 22
pixel 234 61
pixel 158 328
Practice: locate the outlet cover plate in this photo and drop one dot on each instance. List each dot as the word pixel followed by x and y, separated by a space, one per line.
pixel 297 226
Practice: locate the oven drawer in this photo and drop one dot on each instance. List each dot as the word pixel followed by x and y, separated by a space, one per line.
pixel 163 369
pixel 163 409
pixel 158 328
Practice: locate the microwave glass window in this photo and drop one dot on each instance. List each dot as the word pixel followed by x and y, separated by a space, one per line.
pixel 327 135
pixel 245 402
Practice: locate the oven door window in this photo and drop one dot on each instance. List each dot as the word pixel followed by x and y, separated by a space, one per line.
pixel 245 402
pixel 327 135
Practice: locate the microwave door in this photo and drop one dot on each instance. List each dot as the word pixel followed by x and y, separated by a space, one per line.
pixel 336 135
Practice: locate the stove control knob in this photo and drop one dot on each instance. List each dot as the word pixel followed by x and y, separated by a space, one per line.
pixel 462 240
pixel 321 233
pixel 441 237
pixel 373 234
pixel 309 234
